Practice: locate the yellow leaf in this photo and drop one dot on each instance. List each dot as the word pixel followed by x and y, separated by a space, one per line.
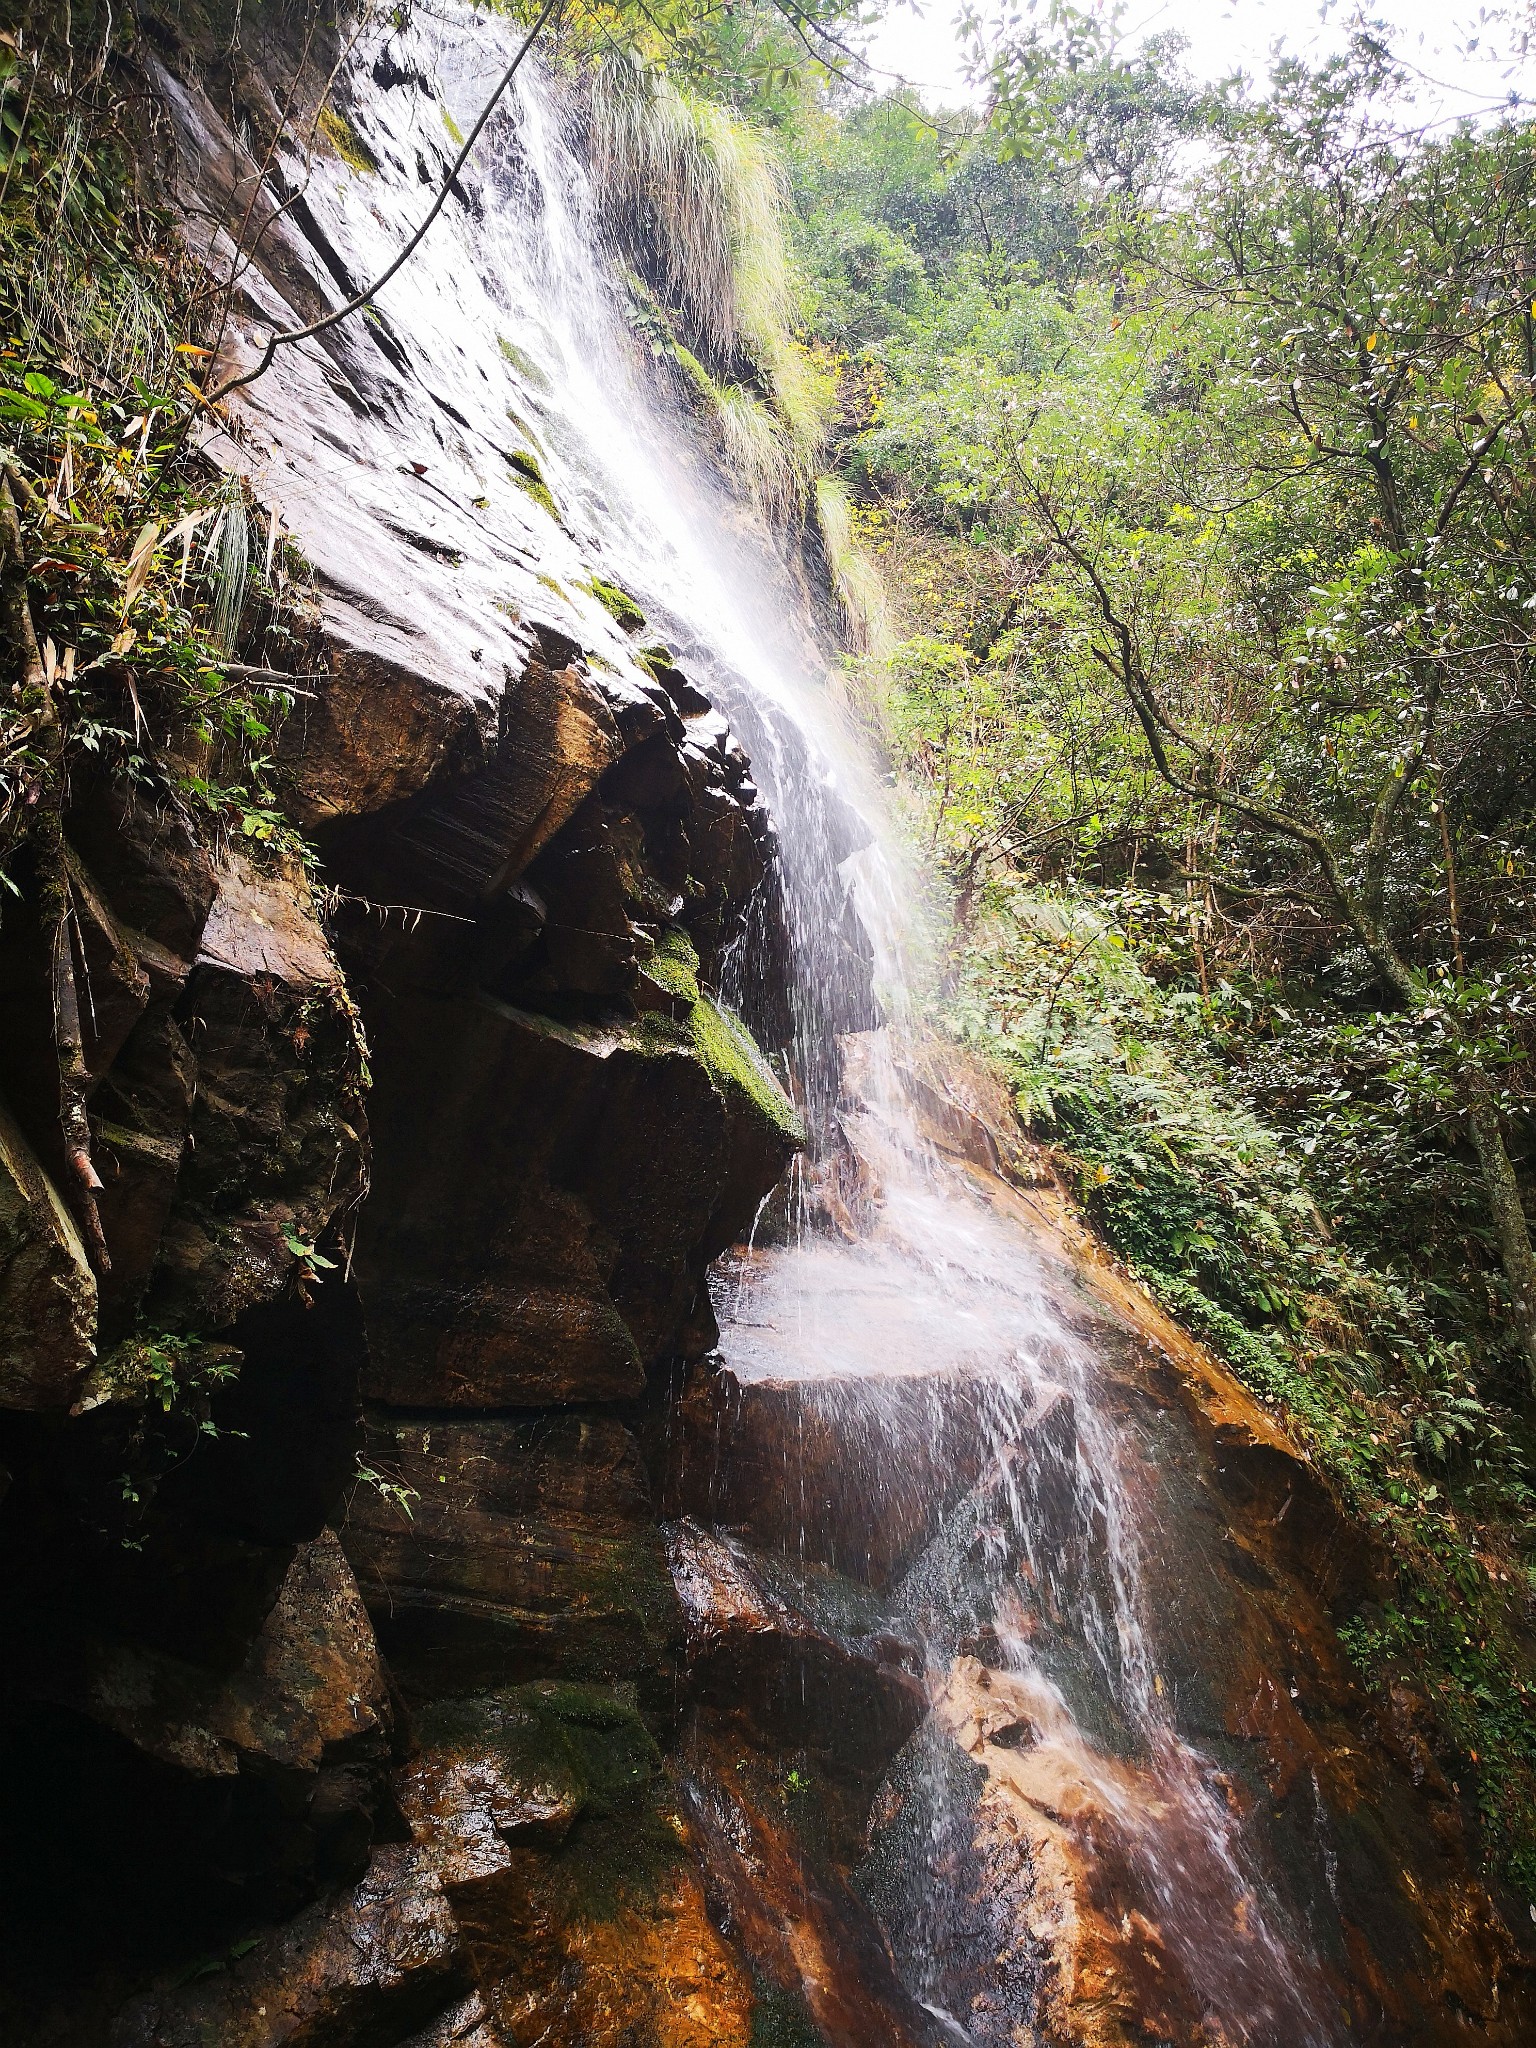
pixel 139 563
pixel 1371 340
pixel 190 348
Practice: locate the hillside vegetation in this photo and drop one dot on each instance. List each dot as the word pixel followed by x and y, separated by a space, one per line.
pixel 1185 442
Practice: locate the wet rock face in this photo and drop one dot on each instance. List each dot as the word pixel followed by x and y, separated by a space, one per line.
pixel 796 1657
pixel 530 1549
pixel 855 1473
pixel 536 845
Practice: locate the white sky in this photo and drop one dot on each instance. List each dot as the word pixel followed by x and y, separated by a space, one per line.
pixel 918 41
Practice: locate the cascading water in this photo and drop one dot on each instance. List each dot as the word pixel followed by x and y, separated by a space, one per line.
pixel 1029 1598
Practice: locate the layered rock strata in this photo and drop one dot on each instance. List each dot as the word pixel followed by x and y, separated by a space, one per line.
pixel 536 841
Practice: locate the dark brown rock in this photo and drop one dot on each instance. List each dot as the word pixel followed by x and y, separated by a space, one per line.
pixel 551 1250
pixel 310 1691
pixel 47 1288
pixel 275 1144
pixel 368 1967
pixel 529 1548
pixel 798 1657
pixel 856 1473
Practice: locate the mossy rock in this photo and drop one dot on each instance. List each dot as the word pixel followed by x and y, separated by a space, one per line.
pixel 589 1744
pixel 618 603
pixel 739 1070
pixel 674 966
pixel 526 473
pixel 347 143
pixel 720 1041
pixel 523 363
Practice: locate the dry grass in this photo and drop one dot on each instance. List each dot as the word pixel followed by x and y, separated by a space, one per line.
pixel 860 587
pixel 702 192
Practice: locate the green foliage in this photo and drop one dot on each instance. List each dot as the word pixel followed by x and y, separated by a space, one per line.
pixel 145 568
pixel 1261 453
pixel 1216 1212
pixel 155 1394
pixel 697 192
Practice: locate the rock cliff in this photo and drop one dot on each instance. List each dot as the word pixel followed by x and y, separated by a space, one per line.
pixel 325 1518
pixel 413 1634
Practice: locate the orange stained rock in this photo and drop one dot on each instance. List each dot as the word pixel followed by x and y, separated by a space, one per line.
pixel 663 1976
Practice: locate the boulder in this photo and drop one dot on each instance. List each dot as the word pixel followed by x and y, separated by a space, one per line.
pixel 370 1965
pixel 801 1659
pixel 310 1692
pixel 268 1775
pixel 549 1819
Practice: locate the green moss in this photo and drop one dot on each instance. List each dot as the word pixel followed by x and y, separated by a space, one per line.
pixel 617 602
pixel 526 471
pixel 550 583
pixel 719 1041
pixel 731 1057
pixel 780 2020
pixel 347 143
pixel 674 965
pixel 523 363
pixel 454 131
pixel 589 1746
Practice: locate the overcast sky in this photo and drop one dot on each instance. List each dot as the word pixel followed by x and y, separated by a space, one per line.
pixel 921 45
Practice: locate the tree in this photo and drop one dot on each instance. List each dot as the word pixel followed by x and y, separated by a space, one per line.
pixel 1351 310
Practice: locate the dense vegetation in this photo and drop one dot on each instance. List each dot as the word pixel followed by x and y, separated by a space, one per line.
pixel 1191 435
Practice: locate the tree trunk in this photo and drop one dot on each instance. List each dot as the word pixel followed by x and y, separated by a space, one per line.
pixel 1507 1211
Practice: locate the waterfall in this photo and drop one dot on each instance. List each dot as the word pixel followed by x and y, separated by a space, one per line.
pixel 1040 1643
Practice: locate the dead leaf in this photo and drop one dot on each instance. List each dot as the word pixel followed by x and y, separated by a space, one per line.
pixel 183 531
pixel 140 562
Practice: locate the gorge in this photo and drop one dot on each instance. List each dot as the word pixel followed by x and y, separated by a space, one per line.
pixel 652 1520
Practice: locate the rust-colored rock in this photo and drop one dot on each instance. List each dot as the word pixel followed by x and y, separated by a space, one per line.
pixel 550 1826
pixel 805 1930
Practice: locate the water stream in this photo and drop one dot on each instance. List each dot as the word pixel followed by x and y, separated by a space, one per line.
pixel 513 302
